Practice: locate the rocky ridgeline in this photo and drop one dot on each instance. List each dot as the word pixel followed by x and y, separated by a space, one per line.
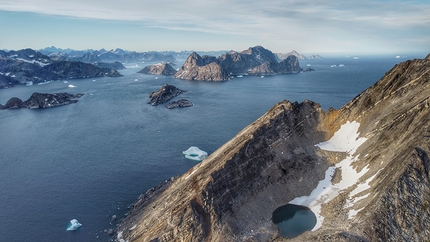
pixel 20 67
pixel 42 100
pixel 164 69
pixel 253 61
pixel 230 196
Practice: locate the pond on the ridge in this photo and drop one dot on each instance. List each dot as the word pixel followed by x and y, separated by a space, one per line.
pixel 292 220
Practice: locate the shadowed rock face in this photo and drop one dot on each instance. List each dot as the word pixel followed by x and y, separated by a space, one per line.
pixel 159 69
pixel 230 196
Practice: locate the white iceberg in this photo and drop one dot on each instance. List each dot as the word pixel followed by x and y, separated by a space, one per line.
pixel 74 225
pixel 194 153
pixel 71 86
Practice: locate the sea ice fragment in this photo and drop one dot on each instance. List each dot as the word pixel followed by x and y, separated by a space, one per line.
pixel 194 153
pixel 73 225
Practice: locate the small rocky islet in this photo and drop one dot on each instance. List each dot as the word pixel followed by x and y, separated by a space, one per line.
pixel 165 94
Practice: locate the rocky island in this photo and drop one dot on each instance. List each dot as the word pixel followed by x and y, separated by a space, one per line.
pixel 164 69
pixel 42 100
pixel 372 155
pixel 164 94
pixel 253 61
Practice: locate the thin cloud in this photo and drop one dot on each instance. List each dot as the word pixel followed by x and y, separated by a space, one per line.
pixel 264 20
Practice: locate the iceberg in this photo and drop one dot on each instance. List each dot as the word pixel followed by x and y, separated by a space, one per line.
pixel 194 153
pixel 74 225
pixel 71 86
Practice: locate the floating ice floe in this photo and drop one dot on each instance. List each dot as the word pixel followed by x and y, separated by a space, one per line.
pixel 74 225
pixel 71 86
pixel 194 153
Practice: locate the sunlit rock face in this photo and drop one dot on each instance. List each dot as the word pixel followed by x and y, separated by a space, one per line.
pixel 374 189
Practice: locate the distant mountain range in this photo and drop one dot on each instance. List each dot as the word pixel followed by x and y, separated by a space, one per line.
pixel 118 54
pixel 28 66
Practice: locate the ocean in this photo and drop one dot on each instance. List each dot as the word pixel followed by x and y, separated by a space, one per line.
pixel 92 159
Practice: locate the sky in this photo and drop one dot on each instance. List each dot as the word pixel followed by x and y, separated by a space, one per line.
pixel 307 26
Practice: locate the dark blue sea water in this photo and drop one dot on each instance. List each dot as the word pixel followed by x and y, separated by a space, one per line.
pixel 90 160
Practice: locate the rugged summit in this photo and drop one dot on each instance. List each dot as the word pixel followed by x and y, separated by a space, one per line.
pixel 230 196
pixel 253 61
pixel 159 69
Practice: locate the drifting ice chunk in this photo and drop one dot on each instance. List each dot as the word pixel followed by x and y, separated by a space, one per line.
pixel 74 225
pixel 194 153
pixel 71 86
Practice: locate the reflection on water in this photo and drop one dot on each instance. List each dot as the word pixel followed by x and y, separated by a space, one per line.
pixel 292 220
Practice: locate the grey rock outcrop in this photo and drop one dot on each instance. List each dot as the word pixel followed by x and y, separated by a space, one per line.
pixel 230 196
pixel 42 100
pixel 164 94
pixel 164 69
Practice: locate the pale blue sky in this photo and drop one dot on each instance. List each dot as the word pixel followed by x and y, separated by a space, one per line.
pixel 308 26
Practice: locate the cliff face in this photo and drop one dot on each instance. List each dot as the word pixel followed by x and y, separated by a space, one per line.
pixel 230 196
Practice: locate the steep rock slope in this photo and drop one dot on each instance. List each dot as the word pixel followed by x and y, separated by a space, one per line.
pixel 231 195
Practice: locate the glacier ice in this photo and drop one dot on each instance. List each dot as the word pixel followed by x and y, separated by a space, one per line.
pixel 194 153
pixel 73 225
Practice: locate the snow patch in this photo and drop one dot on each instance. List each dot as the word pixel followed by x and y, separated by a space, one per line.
pixel 344 140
